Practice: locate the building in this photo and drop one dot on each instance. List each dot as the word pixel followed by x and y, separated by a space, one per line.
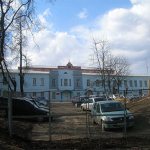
pixel 63 83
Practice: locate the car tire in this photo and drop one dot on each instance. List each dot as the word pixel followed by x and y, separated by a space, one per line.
pixel 93 121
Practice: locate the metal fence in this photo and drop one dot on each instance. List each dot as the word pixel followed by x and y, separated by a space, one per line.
pixel 70 122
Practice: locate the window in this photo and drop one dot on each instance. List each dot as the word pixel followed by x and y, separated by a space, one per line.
pixel 42 81
pixel 98 93
pixel 53 82
pixel 97 83
pixel 53 95
pixel 78 82
pixel 125 83
pixel 140 83
pixel 4 81
pixel 69 82
pixel 98 109
pixel 135 83
pixel 34 94
pixel 65 82
pixel 34 81
pixel 61 82
pixel 114 83
pixel 78 93
pixel 88 82
pixel 131 84
pixel 42 94
pixel 145 83
pixel 120 83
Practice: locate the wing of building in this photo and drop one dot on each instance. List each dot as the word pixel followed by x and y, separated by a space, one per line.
pixel 63 83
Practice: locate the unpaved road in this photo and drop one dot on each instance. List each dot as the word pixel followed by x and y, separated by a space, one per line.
pixel 72 123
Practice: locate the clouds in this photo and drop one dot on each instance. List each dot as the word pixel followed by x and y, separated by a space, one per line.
pixel 57 48
pixel 83 14
pixel 127 30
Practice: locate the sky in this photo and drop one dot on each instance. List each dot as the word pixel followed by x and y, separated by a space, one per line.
pixel 68 27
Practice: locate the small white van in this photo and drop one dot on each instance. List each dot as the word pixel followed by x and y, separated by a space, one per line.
pixel 111 114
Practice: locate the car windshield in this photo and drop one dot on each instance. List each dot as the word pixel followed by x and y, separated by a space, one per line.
pixel 89 101
pixel 36 103
pixel 82 99
pixel 99 99
pixel 109 107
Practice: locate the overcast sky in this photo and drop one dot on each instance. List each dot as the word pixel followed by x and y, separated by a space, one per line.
pixel 69 25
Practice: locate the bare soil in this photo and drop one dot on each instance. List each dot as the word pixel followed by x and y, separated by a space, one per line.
pixel 73 129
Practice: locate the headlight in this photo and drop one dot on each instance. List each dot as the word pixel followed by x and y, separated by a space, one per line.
pixel 107 119
pixel 131 117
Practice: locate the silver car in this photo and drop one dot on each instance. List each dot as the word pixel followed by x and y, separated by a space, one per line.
pixel 88 104
pixel 111 114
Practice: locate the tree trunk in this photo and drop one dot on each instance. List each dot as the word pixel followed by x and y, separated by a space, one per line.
pixel 20 50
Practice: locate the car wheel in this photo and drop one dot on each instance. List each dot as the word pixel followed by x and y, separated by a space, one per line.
pixel 93 121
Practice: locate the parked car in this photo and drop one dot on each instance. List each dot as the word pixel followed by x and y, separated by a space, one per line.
pixel 27 108
pixel 111 114
pixel 79 100
pixel 91 96
pixel 41 101
pixel 87 105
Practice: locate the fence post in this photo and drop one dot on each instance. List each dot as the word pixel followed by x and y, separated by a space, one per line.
pixel 125 114
pixel 50 138
pixel 10 113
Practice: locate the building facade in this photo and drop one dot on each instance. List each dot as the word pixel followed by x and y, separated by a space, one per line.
pixel 63 83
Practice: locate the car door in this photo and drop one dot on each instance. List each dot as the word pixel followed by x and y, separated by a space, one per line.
pixel 90 105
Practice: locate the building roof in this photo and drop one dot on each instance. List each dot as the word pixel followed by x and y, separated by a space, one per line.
pixel 70 66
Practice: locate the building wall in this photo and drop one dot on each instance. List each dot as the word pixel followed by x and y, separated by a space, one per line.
pixel 64 84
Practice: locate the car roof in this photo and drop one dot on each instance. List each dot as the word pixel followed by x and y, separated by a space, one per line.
pixel 96 97
pixel 104 102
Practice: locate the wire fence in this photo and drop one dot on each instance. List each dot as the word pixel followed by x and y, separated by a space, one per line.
pixel 65 121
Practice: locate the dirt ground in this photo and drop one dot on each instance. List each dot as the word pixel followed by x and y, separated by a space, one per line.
pixel 73 129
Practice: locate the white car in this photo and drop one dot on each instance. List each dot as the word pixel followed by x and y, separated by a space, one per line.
pixel 111 114
pixel 88 104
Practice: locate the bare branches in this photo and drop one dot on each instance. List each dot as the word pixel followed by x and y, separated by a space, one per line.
pixel 121 66
pixel 102 56
pixel 10 12
pixel 27 3
pixel 111 68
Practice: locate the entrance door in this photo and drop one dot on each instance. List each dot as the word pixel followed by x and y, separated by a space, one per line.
pixel 66 96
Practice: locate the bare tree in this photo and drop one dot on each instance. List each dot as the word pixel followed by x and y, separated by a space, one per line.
pixel 20 42
pixel 112 69
pixel 101 59
pixel 121 68
pixel 9 13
